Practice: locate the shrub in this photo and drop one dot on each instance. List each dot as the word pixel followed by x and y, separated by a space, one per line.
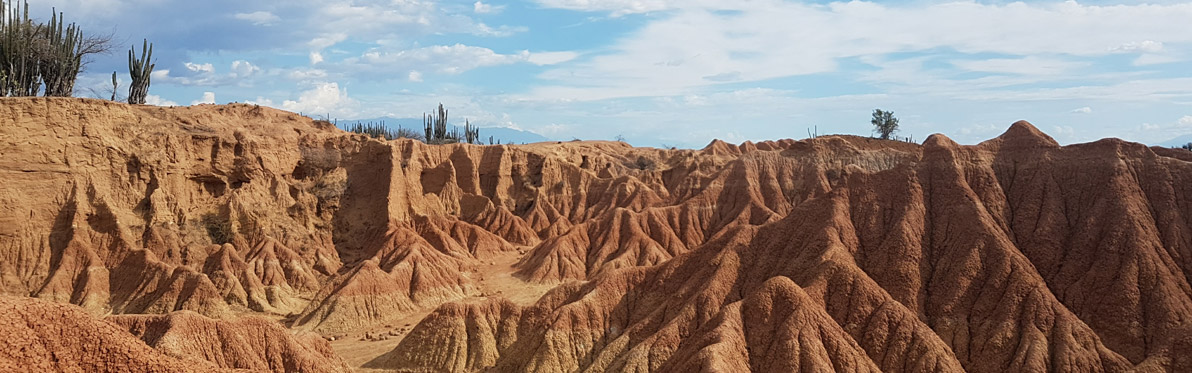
pixel 219 230
pixel 643 163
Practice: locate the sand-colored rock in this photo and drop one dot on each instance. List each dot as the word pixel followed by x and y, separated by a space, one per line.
pixel 42 336
pixel 1015 254
pixel 835 253
pixel 248 343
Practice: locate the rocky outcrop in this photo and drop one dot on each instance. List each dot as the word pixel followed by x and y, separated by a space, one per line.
pixel 248 343
pixel 42 336
pixel 1015 254
pixel 837 252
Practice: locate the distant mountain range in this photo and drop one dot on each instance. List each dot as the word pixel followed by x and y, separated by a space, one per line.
pixel 505 135
pixel 1178 141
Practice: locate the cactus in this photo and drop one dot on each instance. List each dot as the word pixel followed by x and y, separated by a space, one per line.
pixel 429 131
pixel 379 130
pixel 115 86
pixel 471 134
pixel 33 55
pixel 62 56
pixel 18 61
pixel 435 127
pixel 140 71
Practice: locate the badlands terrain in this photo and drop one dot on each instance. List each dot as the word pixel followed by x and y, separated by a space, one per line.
pixel 237 237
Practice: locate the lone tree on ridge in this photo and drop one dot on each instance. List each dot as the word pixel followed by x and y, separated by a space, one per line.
pixel 884 123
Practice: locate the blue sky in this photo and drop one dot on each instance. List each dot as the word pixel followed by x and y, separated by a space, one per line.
pixel 675 72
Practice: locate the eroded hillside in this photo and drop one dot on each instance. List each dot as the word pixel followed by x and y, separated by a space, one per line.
pixel 839 252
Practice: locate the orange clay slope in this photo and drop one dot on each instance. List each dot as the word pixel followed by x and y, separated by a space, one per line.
pixel 1013 255
pixel 838 252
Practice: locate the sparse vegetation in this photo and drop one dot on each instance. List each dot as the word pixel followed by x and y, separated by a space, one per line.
pixel 644 164
pixel 379 130
pixel 219 229
pixel 316 161
pixel 37 55
pixel 1187 146
pixel 436 129
pixel 884 123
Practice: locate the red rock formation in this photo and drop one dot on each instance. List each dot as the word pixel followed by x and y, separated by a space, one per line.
pixel 250 343
pixel 837 252
pixel 1016 254
pixel 41 336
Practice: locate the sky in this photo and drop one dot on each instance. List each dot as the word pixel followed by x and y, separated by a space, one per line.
pixel 672 72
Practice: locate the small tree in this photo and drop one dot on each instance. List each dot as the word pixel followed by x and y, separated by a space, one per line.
pixel 1187 146
pixel 884 123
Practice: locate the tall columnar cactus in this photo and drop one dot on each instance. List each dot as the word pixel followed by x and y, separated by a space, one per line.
pixel 140 71
pixel 19 64
pixel 436 127
pixel 115 86
pixel 61 56
pixel 471 134
pixel 430 132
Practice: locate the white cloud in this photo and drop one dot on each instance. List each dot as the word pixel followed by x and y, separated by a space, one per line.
pixel 1186 121
pixel 1147 46
pixel 243 69
pixel 316 57
pixel 240 73
pixel 259 18
pixel 261 101
pixel 551 58
pixel 326 40
pixel 158 101
pixel 369 21
pixel 1083 110
pixel 616 7
pixel 1030 65
pixel 556 129
pixel 1154 59
pixel 208 98
pixel 500 31
pixel 1065 131
pixel 482 8
pixel 306 75
pixel 415 76
pixel 443 59
pixel 756 40
pixel 324 98
pixel 200 68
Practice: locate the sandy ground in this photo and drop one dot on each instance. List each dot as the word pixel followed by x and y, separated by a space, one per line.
pixel 494 279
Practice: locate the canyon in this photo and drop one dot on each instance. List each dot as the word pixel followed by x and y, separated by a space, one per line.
pixel 240 237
